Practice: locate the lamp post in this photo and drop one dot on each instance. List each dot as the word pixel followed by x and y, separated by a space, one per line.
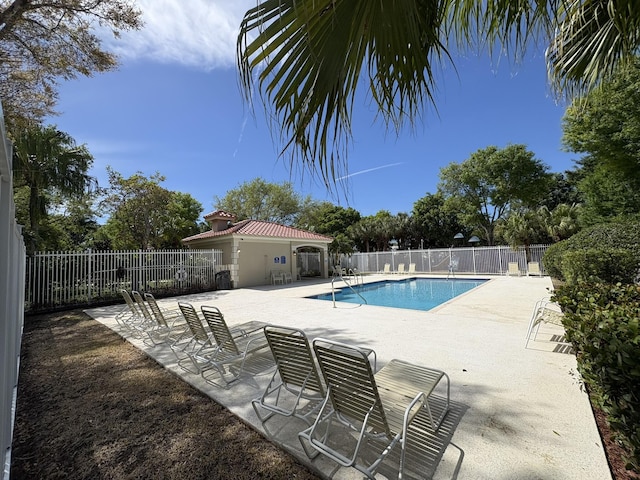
pixel 474 241
pixel 458 236
pixel 393 243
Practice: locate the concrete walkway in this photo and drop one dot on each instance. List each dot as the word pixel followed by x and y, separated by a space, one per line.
pixel 518 412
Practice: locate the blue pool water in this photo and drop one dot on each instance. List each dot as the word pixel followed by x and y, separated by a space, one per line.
pixel 412 293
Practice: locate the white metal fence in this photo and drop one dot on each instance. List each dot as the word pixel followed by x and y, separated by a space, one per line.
pixel 12 261
pixel 309 264
pixel 475 260
pixel 57 279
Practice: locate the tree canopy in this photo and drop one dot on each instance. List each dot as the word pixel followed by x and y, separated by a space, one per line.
pixel 309 57
pixel 604 126
pixel 145 215
pixel 261 200
pixel 435 224
pixel 47 161
pixel 490 183
pixel 44 41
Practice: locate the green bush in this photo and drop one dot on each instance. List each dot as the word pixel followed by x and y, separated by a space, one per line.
pixel 608 252
pixel 605 265
pixel 602 323
pixel 552 259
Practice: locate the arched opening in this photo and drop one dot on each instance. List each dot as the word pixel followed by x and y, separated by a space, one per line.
pixel 310 262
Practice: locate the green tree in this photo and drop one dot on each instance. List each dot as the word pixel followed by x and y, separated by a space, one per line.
pixel 435 224
pixel 183 212
pixel 605 124
pixel 492 182
pixel 72 227
pixel 308 57
pixel 364 234
pixel 43 41
pixel 47 162
pixel 261 200
pixel 375 231
pixel 563 189
pixel 327 218
pixel 608 195
pixel 562 222
pixel 145 215
pixel 332 220
pixel 520 229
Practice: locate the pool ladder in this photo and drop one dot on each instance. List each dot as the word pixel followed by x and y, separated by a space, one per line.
pixel 352 273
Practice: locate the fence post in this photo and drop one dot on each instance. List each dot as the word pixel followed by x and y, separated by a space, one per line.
pixel 89 259
pixel 473 255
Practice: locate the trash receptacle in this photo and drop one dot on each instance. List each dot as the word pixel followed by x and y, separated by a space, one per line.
pixel 223 280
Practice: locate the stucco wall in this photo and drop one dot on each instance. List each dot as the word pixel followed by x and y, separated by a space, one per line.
pixel 251 261
pixel 257 259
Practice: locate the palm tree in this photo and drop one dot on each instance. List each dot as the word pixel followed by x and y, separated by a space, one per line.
pixel 561 222
pixel 47 160
pixel 309 55
pixel 520 229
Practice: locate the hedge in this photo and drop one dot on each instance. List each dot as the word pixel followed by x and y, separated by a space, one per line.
pixel 607 252
pixel 602 322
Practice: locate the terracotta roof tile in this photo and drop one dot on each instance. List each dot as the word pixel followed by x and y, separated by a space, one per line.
pixel 220 214
pixel 259 228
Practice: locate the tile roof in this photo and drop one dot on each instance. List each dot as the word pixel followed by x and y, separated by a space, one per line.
pixel 220 214
pixel 259 228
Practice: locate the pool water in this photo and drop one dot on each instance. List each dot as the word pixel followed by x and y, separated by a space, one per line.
pixel 412 293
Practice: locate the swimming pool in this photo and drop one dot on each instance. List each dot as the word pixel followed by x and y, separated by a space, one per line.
pixel 412 293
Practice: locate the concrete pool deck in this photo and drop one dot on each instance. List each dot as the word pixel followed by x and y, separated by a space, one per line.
pixel 517 412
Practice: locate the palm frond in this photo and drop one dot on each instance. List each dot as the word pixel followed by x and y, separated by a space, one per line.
pixel 593 38
pixel 309 57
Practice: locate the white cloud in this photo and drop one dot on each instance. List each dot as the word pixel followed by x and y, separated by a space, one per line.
pixel 195 33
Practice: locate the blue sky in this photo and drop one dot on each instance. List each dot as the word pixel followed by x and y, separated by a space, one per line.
pixel 175 107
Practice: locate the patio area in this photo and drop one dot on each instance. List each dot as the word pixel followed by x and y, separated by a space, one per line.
pixel 517 413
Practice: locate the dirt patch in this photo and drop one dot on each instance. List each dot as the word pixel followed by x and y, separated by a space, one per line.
pixel 92 406
pixel 615 453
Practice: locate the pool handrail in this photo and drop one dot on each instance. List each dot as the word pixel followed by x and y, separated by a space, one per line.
pixel 333 291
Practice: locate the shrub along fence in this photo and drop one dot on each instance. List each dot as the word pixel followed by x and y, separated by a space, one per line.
pixel 602 322
pixel 60 279
pixel 601 303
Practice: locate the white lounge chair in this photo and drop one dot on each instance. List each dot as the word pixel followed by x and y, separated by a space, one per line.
pixel 401 269
pixel 231 347
pixel 295 390
pixel 380 407
pixel 533 268
pixel 544 311
pixel 514 269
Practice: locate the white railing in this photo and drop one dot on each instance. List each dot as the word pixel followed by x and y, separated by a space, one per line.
pixel 56 279
pixel 12 261
pixel 470 260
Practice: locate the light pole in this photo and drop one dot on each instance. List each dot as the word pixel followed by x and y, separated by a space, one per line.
pixel 474 241
pixel 458 236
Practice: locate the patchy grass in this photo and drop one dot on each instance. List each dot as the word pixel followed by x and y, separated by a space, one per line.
pixel 92 406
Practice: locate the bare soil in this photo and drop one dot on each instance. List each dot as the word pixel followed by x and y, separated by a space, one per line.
pixel 92 406
pixel 615 453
